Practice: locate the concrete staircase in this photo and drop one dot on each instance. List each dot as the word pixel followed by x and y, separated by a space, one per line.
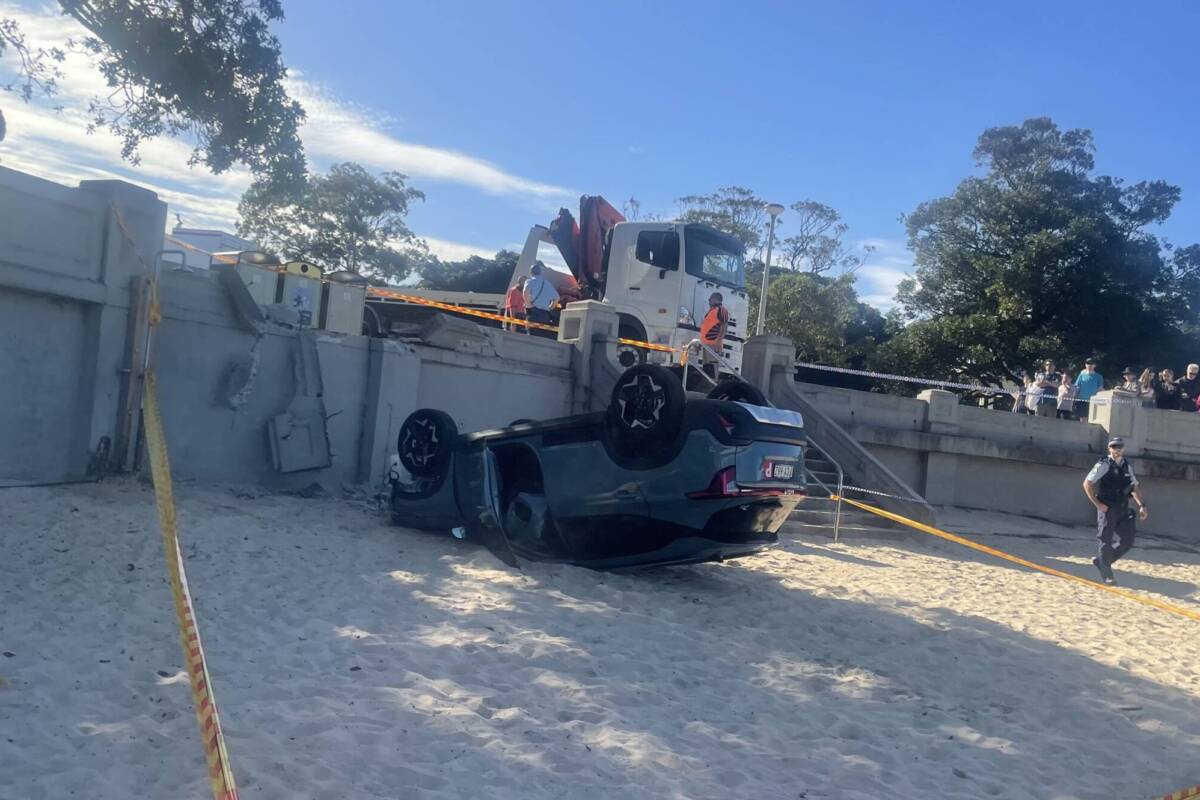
pixel 815 515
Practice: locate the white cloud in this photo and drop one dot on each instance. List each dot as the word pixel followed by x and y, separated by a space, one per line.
pixel 456 251
pixel 889 263
pixel 57 146
pixel 338 131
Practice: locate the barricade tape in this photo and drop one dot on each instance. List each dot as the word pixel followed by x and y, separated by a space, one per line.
pixel 391 294
pixel 220 772
pixel 982 548
pixel 1182 794
pixel 971 387
pixel 474 312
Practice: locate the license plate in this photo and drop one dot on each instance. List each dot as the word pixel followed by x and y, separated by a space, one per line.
pixel 778 470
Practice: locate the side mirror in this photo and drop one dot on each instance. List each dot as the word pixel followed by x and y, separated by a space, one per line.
pixel 662 274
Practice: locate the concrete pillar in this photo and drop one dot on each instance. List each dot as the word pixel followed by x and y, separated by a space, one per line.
pixel 112 381
pixel 762 354
pixel 582 324
pixel 941 469
pixel 393 375
pixel 1120 414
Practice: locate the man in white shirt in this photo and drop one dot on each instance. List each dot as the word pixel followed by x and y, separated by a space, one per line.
pixel 540 295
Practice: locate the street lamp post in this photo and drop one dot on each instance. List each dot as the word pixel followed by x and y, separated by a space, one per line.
pixel 774 209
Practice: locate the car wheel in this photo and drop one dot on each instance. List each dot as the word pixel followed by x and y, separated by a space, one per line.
pixel 426 442
pixel 646 408
pixel 738 391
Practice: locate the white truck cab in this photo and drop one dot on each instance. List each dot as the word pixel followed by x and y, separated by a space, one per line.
pixel 659 277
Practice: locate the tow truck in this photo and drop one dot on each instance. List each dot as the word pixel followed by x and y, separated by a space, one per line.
pixel 658 276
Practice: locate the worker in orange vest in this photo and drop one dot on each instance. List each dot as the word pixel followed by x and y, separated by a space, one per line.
pixel 712 332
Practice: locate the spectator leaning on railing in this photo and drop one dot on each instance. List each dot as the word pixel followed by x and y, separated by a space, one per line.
pixel 1048 380
pixel 1166 392
pixel 1088 382
pixel 1189 388
pixel 1131 383
pixel 1067 394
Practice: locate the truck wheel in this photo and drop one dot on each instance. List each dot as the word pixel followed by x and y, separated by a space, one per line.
pixel 738 391
pixel 627 354
pixel 426 442
pixel 646 409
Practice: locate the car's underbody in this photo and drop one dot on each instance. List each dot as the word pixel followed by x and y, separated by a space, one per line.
pixel 626 488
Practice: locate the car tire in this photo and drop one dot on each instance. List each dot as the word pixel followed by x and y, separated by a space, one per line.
pixel 738 391
pixel 645 409
pixel 426 442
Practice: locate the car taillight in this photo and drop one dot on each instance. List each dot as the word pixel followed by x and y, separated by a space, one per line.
pixel 726 423
pixel 724 484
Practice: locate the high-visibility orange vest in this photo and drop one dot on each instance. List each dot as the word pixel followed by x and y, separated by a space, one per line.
pixel 710 328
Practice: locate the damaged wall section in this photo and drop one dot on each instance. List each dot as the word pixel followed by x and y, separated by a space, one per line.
pixel 224 386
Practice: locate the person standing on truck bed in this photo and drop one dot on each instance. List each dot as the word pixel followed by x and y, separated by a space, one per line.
pixel 514 306
pixel 712 332
pixel 540 295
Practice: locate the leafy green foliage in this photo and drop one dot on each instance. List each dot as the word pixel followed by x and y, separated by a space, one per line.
pixel 37 69
pixel 1039 258
pixel 735 210
pixel 821 315
pixel 347 219
pixel 475 274
pixel 207 70
pixel 816 244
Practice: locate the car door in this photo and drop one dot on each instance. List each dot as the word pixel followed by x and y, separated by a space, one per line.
pixel 596 505
pixel 478 490
pixel 653 277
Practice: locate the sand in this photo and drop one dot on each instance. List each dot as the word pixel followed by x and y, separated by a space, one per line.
pixel 354 659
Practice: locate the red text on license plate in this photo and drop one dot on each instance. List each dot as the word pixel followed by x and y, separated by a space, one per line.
pixel 779 470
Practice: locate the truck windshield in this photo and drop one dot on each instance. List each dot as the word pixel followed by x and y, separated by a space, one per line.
pixel 714 255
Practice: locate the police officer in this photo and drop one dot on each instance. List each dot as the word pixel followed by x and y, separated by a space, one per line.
pixel 1109 486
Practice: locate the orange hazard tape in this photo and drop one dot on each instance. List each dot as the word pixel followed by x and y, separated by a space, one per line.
pixel 950 537
pixel 474 312
pixel 411 298
pixel 220 772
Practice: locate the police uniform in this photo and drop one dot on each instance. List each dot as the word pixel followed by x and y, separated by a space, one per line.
pixel 1114 483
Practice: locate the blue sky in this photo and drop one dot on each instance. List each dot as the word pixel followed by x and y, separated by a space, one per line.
pixel 501 112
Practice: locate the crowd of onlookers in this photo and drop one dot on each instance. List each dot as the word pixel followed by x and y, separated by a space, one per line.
pixel 1050 393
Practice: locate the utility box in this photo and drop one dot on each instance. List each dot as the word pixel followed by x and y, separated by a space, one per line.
pixel 258 271
pixel 262 283
pixel 301 291
pixel 345 296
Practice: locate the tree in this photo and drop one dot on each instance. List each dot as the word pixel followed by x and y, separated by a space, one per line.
pixel 735 210
pixel 822 316
pixel 817 244
pixel 208 70
pixel 475 274
pixel 347 219
pixel 1037 259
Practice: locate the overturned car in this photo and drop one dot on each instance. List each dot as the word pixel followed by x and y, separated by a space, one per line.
pixel 655 479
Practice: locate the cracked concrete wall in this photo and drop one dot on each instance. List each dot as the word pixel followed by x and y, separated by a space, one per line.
pixel 65 285
pixel 370 386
